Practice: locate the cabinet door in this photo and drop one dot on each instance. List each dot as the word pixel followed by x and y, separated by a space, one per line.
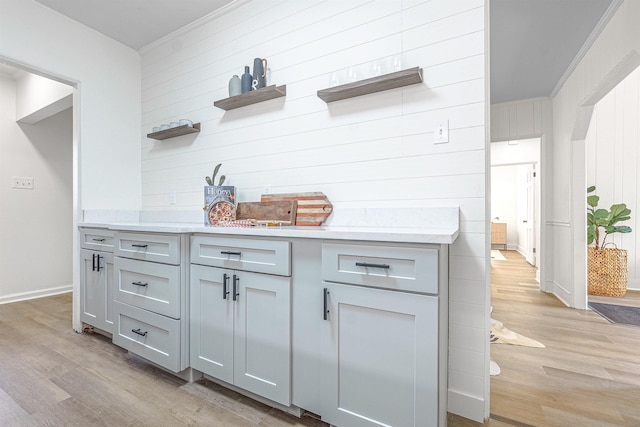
pixel 262 346
pixel 380 358
pixel 96 289
pixel 211 322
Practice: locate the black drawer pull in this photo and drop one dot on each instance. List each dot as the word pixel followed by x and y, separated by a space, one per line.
pixel 230 253
pixel 236 287
pixel 139 246
pixel 98 262
pixel 368 264
pixel 325 313
pixel 98 240
pixel 225 281
pixel 137 331
pixel 139 284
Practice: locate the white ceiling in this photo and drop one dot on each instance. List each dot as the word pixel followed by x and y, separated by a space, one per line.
pixel 533 42
pixel 135 23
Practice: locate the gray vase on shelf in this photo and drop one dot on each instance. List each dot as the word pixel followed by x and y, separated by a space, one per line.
pixel 259 73
pixel 235 86
pixel 245 85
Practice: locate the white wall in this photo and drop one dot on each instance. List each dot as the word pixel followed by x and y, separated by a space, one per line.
pixel 39 97
pixel 108 104
pixel 35 225
pixel 372 151
pixel 612 161
pixel 615 50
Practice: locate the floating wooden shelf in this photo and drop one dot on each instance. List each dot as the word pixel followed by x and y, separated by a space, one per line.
pixel 374 84
pixel 252 97
pixel 173 132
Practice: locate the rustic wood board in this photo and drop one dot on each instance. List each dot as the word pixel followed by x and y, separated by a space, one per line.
pixel 282 211
pixel 313 207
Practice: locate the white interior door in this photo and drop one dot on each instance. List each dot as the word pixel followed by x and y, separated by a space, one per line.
pixel 529 221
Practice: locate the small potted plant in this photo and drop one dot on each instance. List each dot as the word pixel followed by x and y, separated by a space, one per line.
pixel 219 200
pixel 606 267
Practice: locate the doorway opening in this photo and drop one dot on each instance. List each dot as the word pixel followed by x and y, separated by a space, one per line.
pixel 516 198
pixel 37 204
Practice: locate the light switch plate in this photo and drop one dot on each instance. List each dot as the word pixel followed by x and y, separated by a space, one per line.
pixel 22 183
pixel 441 132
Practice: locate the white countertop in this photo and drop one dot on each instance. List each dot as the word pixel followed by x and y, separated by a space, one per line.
pixel 384 234
pixel 438 225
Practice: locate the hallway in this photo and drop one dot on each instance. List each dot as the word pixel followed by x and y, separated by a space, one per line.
pixel 589 372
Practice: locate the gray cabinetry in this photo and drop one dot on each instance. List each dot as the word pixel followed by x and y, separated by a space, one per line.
pixel 151 297
pixel 96 278
pixel 240 319
pixel 381 335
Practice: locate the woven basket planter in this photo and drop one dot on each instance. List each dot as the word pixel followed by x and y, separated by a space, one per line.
pixel 607 272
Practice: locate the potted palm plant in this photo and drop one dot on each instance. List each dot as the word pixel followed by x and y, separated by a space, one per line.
pixel 606 266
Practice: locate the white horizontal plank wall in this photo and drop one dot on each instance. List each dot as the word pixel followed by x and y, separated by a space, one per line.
pixel 613 158
pixel 373 151
pixel 619 39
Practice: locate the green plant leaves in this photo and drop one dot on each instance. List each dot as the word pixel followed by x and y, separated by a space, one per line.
pixel 604 218
pixel 222 178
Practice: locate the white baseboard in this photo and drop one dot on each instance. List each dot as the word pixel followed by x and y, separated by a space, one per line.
pixel 466 406
pixel 40 293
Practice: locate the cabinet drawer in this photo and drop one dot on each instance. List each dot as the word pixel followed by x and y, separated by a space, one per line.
pixel 392 267
pixel 156 337
pixel 261 256
pixel 149 247
pixel 97 239
pixel 152 286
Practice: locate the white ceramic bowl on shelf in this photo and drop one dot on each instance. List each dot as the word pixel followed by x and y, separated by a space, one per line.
pixel 186 122
pixel 174 124
pixel 164 126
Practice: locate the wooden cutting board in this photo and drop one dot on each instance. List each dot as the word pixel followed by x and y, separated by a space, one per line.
pixel 313 207
pixel 281 211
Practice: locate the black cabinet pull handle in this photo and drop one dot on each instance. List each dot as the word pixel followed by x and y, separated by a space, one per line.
pixel 137 331
pixel 98 240
pixel 230 253
pixel 139 284
pixel 93 262
pixel 368 264
pixel 139 246
pixel 225 281
pixel 98 262
pixel 236 279
pixel 325 313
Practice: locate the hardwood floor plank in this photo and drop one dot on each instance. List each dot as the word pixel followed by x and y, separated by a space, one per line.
pixel 587 375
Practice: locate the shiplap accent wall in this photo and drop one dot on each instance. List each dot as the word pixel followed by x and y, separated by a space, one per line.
pixel 618 40
pixel 372 151
pixel 613 157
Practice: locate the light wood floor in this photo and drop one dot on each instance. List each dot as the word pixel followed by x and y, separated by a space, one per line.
pixel 52 376
pixel 589 372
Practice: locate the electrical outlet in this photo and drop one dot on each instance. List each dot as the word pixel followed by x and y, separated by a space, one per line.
pixel 266 189
pixel 22 183
pixel 172 198
pixel 441 132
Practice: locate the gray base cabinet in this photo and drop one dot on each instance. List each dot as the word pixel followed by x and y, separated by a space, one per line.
pixel 97 278
pixel 240 329
pixel 353 330
pixel 380 358
pixel 241 320
pixel 151 314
